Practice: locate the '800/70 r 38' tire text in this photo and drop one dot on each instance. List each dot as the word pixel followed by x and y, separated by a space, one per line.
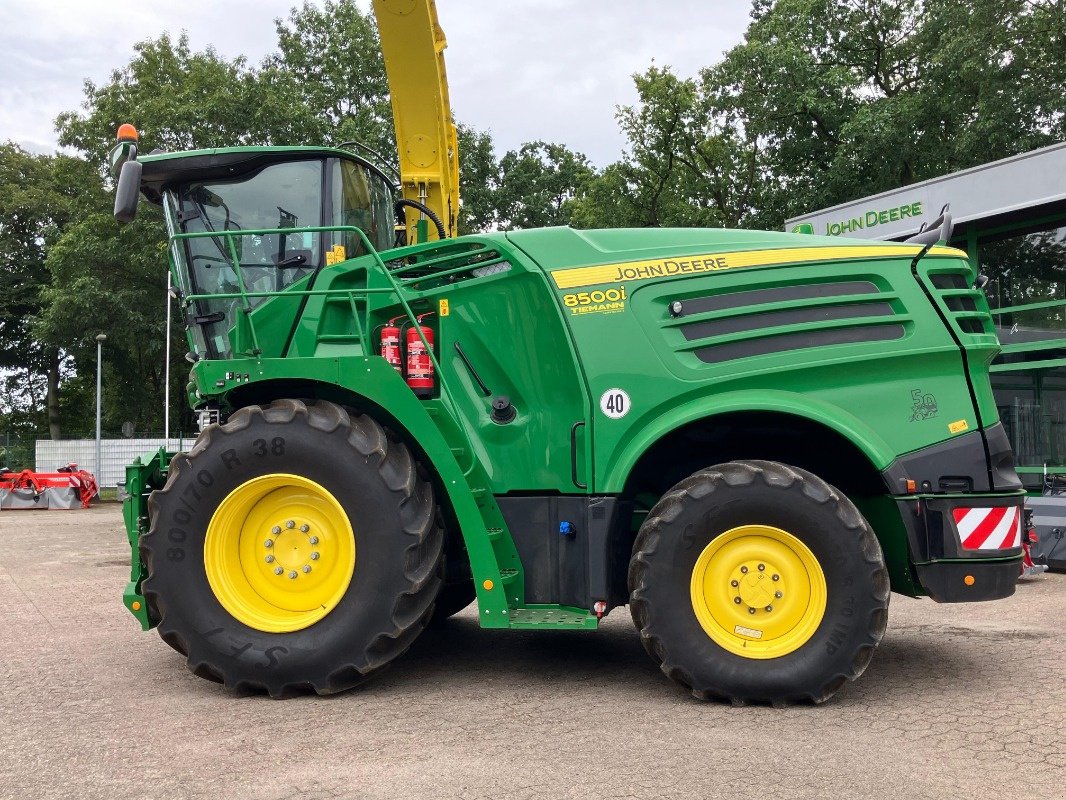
pixel 294 547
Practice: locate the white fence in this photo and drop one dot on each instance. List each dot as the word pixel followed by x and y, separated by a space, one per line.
pixel 115 454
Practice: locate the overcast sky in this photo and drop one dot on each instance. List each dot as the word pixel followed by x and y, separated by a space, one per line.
pixel 522 69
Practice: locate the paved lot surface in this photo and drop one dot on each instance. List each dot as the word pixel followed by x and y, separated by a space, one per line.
pixel 960 701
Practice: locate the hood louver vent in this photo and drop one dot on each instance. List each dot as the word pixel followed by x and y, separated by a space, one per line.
pixel 726 327
pixel 448 264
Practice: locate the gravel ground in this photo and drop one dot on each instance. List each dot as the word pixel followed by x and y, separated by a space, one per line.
pixel 960 701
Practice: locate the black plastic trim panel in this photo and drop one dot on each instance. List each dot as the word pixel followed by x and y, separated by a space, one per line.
pixel 957 465
pixel 941 564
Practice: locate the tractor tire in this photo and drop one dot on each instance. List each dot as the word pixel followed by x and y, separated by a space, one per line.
pixel 453 598
pixel 293 548
pixel 754 581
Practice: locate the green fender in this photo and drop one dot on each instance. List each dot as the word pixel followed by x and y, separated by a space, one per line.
pixel 667 419
pixel 376 382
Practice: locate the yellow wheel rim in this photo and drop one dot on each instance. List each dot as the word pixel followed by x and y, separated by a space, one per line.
pixel 279 553
pixel 758 591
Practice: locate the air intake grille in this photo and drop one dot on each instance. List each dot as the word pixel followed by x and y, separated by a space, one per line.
pixel 448 264
pixel 962 303
pixel 756 322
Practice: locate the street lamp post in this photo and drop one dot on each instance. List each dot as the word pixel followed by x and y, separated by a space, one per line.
pixel 100 339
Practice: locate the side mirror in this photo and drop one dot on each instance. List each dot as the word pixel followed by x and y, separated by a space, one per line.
pixel 128 191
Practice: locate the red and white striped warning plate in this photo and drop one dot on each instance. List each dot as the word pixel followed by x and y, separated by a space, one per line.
pixel 989 528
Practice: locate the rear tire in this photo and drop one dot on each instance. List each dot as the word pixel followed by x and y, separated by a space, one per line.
pixel 757 581
pixel 248 637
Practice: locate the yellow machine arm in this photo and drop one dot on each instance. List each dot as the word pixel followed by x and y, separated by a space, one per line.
pixel 413 45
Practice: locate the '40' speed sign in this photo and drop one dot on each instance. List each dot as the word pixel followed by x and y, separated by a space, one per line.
pixel 614 403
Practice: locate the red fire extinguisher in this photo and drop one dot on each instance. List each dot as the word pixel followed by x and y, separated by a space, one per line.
pixel 419 364
pixel 390 345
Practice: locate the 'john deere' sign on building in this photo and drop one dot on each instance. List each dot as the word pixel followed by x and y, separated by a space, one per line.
pixel 866 220
pixel 1013 186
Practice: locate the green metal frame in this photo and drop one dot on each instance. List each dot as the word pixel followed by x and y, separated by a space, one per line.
pixel 143 476
pixel 974 239
pixel 499 579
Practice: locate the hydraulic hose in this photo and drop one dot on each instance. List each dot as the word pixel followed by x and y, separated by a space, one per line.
pixel 441 233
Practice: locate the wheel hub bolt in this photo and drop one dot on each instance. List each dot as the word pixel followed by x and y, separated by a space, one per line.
pixel 734 583
pixel 744 570
pixel 292 574
pixel 762 567
pixel 268 543
pixel 305 528
pixel 314 556
pixel 776 577
pixel 313 540
pixel 275 530
pixel 290 524
pixel 307 567
pixel 778 595
pixel 270 559
pixel 769 608
pixel 751 610
pixel 736 600
pixel 278 570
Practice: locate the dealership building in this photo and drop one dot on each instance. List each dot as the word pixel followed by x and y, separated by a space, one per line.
pixel 1010 218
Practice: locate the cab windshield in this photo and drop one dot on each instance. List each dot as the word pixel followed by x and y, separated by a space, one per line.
pixel 284 197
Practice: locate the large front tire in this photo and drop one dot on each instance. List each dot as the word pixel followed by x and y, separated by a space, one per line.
pixel 294 547
pixel 757 581
pixel 452 599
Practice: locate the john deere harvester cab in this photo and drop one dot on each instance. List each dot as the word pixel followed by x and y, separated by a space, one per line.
pixel 749 438
pixel 284 214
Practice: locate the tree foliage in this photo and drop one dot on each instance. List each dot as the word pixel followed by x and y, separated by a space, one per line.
pixel 40 197
pixel 853 97
pixel 538 183
pixel 329 59
pixel 687 163
pixel 178 100
pixel 826 101
pixel 479 172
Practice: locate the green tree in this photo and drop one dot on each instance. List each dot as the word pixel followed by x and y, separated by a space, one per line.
pixel 852 97
pixel 829 100
pixel 537 184
pixel 182 100
pixel 688 163
pixel 329 62
pixel 479 174
pixel 110 278
pixel 40 198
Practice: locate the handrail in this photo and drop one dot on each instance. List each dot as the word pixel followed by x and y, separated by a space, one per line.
pixel 1027 307
pixel 243 294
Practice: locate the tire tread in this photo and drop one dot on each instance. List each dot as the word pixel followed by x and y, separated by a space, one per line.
pixel 398 471
pixel 703 484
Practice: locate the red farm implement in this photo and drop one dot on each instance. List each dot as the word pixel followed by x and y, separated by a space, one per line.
pixel 64 489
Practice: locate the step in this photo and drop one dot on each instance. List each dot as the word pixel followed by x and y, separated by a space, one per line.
pixel 552 617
